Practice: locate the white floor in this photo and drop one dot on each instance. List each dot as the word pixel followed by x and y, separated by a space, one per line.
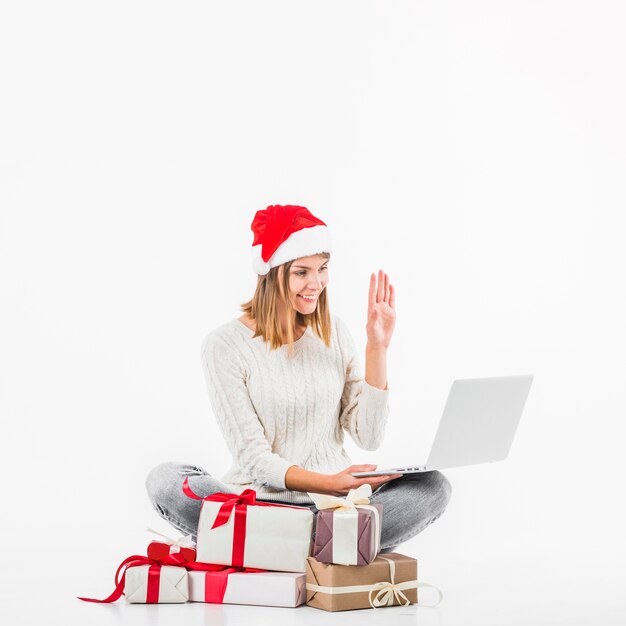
pixel 502 591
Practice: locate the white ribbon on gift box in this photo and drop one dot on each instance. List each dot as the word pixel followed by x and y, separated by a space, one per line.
pixel 388 590
pixel 186 541
pixel 346 522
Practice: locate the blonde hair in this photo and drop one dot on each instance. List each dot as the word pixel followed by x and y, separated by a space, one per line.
pixel 272 289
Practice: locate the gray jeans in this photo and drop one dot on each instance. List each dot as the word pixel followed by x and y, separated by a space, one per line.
pixel 410 503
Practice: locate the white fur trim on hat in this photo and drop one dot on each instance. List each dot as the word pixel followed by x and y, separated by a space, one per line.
pixel 304 242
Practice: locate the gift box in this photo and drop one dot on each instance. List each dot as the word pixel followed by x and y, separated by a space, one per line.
pixel 234 586
pixel 347 529
pixel 237 530
pixel 390 579
pixel 156 584
pixel 158 550
pixel 149 581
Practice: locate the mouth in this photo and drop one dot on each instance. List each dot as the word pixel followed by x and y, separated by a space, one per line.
pixel 308 299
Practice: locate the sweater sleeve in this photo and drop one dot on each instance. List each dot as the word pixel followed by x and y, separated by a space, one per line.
pixel 364 408
pixel 225 377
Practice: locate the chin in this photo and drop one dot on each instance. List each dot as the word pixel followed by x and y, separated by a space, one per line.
pixel 307 310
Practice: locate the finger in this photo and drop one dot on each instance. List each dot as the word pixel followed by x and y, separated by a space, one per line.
pixel 372 294
pixel 383 479
pixel 362 468
pixel 381 286
pixel 389 476
pixel 374 484
pixel 386 288
pixel 392 296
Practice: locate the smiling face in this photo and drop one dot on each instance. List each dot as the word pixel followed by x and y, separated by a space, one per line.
pixel 308 276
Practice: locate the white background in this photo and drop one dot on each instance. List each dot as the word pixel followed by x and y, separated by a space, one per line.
pixel 472 150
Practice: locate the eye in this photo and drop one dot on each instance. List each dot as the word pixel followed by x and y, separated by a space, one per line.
pixel 303 272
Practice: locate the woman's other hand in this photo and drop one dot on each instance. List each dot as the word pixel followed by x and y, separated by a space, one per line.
pixel 381 311
pixel 341 483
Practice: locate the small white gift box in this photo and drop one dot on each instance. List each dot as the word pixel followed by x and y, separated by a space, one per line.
pixel 156 584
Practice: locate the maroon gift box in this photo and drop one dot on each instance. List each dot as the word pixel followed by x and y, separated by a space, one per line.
pixel 329 531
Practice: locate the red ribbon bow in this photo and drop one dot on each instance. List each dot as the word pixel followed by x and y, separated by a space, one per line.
pixel 154 574
pixel 230 501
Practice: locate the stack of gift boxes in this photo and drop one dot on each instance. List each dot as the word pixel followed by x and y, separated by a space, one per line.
pixel 258 553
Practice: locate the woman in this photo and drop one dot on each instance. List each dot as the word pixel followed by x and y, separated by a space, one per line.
pixel 284 384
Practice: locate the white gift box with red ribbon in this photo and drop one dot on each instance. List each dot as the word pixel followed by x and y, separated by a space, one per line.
pixel 287 589
pixel 236 530
pixel 156 583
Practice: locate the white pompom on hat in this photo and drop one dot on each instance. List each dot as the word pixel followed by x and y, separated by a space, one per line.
pixel 284 233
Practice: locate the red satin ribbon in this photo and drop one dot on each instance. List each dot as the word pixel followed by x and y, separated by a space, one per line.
pixel 240 504
pixel 153 575
pixel 154 580
pixel 230 501
pixel 177 560
pixel 215 582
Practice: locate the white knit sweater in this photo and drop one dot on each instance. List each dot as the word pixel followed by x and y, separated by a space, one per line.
pixel 275 411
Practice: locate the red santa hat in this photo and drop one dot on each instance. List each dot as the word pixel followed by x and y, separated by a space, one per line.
pixel 285 233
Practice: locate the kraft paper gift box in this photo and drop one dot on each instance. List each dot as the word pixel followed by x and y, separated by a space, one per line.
pixel 347 529
pixel 232 586
pixel 156 584
pixel 390 579
pixel 237 530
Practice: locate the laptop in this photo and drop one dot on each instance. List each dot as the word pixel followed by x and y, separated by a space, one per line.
pixel 477 426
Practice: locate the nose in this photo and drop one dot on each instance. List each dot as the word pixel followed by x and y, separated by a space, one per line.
pixel 315 284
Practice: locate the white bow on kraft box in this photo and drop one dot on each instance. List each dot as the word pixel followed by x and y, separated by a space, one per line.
pixel 347 529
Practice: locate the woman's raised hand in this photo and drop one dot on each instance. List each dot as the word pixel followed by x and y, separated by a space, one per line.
pixel 341 483
pixel 381 312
